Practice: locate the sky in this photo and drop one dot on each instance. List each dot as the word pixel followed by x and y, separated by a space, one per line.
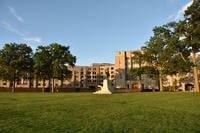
pixel 94 29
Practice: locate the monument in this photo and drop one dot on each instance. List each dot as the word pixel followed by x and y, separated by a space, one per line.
pixel 107 86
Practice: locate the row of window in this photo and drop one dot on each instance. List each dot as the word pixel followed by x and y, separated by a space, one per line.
pixel 94 73
pixel 89 69
pixel 82 73
pixel 94 77
pixel 112 72
pixel 112 68
pixel 89 72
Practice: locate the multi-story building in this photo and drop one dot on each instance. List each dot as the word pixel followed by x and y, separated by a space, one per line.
pixel 82 77
pixel 124 61
pixel 91 76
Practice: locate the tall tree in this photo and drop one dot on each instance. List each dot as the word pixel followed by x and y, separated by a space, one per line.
pixel 136 72
pixel 15 61
pixel 156 53
pixel 42 64
pixel 61 57
pixel 165 53
pixel 179 62
pixel 189 28
pixel 50 62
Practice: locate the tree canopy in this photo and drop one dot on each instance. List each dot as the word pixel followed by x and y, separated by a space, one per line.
pixel 18 60
pixel 51 62
pixel 15 60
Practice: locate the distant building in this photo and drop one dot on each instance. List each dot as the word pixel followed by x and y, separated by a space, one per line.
pixel 124 61
pixel 82 77
pixel 93 75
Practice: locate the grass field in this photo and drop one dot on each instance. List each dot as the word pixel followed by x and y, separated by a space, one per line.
pixel 88 113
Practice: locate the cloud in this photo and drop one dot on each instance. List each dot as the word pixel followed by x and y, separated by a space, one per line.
pixel 179 14
pixel 7 26
pixel 14 13
pixel 33 39
pixel 23 35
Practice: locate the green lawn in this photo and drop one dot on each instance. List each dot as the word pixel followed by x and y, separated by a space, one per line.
pixel 88 113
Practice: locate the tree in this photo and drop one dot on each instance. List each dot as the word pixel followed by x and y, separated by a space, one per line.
pixel 51 62
pixel 156 54
pixel 178 63
pixel 15 61
pixel 165 53
pixel 61 57
pixel 189 29
pixel 42 63
pixel 135 72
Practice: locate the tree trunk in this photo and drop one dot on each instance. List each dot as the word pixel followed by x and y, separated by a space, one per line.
pixel 52 88
pixel 35 82
pixel 195 68
pixel 49 85
pixel 140 82
pixel 29 82
pixel 140 76
pixel 160 82
pixel 61 86
pixel 13 87
pixel 43 85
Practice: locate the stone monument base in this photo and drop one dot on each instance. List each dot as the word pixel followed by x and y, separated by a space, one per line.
pixel 106 88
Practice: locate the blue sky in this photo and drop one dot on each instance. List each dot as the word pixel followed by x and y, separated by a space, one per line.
pixel 94 29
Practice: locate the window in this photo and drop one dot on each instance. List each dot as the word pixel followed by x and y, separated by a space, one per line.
pixel 4 83
pixel 76 72
pixel 112 68
pixel 94 73
pixel 88 72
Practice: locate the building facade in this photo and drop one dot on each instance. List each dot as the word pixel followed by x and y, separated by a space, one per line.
pixel 82 77
pixel 93 75
pixel 124 61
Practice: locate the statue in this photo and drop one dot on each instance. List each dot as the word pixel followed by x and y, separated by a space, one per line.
pixel 107 85
pixel 107 73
